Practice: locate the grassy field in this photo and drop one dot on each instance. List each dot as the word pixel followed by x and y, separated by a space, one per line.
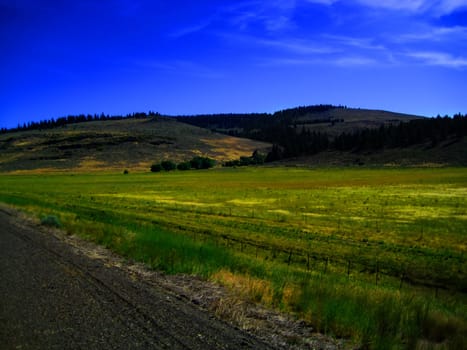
pixel 374 255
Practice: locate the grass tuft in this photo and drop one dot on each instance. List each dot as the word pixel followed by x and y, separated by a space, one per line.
pixel 51 221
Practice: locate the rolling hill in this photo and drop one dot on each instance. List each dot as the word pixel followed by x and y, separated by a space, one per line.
pixel 321 118
pixel 313 135
pixel 114 145
pixel 337 135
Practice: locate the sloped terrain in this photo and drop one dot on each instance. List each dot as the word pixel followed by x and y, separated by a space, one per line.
pixel 337 120
pixel 132 144
pixel 451 152
pixel 320 118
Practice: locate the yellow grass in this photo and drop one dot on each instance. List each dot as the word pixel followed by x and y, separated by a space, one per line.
pixel 256 289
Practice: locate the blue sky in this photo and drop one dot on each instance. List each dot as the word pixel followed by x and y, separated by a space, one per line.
pixel 61 57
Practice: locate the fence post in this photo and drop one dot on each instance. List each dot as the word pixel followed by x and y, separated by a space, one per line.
pixel 290 258
pixel 402 280
pixel 376 272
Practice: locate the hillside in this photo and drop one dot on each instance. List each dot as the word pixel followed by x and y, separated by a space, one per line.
pixel 448 153
pixel 311 135
pixel 132 144
pixel 321 118
pixel 336 135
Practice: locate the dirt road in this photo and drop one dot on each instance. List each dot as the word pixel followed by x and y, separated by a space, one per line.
pixel 51 297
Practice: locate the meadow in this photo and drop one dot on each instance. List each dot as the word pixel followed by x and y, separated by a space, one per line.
pixel 373 255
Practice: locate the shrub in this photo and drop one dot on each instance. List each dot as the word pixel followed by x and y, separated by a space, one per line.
pixel 184 166
pixel 255 159
pixel 168 165
pixel 126 172
pixel 202 162
pixel 258 158
pixel 51 220
pixel 155 168
pixel 232 163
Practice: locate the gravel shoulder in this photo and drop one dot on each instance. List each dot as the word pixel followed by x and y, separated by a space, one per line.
pixel 60 292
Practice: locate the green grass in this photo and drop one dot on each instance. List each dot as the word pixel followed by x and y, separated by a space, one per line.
pixel 376 255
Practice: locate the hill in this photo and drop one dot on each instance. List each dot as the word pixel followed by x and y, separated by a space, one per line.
pixel 129 143
pixel 310 135
pixel 332 120
pixel 336 135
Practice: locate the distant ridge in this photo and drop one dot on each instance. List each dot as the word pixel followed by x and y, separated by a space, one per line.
pixel 311 130
pixel 315 114
pixel 308 135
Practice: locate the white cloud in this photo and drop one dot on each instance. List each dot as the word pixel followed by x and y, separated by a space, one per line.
pixel 341 61
pixel 439 59
pixel 273 16
pixel 411 5
pixel 324 2
pixel 285 44
pixel 178 67
pixel 429 33
pixel 448 6
pixel 353 61
pixel 438 7
pixel 360 43
pixel 189 30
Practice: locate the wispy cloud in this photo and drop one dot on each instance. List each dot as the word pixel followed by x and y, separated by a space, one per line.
pixel 338 61
pixel 190 29
pixel 410 5
pixel 182 67
pixel 354 61
pixel 323 2
pixel 303 47
pixel 273 29
pixel 280 44
pixel 430 33
pixel 357 42
pixel 439 59
pixel 448 6
pixel 437 7
pixel 273 16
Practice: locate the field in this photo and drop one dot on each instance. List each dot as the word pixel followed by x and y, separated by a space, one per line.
pixel 373 255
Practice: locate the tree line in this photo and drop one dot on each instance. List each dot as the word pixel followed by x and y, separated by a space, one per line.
pixel 290 138
pixel 246 124
pixel 290 143
pixel 196 163
pixel 74 119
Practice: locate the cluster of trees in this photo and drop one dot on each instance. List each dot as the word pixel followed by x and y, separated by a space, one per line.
pixel 73 119
pixel 195 163
pixel 256 158
pixel 249 125
pixel 282 129
pixel 289 143
pixel 404 134
pixel 230 123
pixel 293 113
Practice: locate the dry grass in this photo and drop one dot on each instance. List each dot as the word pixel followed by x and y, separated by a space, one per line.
pixel 255 289
pixel 115 145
